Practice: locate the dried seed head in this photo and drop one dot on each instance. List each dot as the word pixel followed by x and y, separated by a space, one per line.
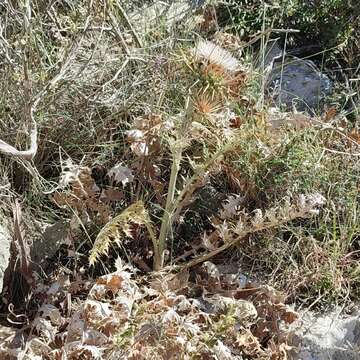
pixel 206 105
pixel 216 57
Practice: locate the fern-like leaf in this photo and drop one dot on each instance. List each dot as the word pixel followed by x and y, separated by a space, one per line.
pixel 117 228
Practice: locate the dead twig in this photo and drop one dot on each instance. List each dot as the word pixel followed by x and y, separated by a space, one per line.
pixel 128 23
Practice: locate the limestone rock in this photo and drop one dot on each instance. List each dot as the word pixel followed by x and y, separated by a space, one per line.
pixel 298 83
pixel 329 336
pixel 5 241
pixel 293 82
pixel 48 240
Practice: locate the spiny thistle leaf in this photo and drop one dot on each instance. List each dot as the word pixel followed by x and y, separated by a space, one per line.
pixel 117 228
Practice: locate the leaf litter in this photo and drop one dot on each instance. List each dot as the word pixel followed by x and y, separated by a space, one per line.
pixel 205 314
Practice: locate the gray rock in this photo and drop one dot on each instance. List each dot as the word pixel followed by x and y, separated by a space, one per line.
pixel 5 241
pixel 48 241
pixel 330 336
pixel 298 83
pixel 293 82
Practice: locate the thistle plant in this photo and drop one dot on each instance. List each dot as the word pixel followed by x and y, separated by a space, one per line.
pixel 206 119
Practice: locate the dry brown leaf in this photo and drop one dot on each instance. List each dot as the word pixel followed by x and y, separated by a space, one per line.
pixel 211 242
pixel 94 338
pixel 96 310
pixel 231 206
pixel 170 282
pixel 355 135
pixel 121 174
pixel 111 195
pixel 83 196
pixel 286 313
pixel 179 281
pixel 112 282
pixel 330 114
pixel 76 350
pixel 248 343
pixel 143 138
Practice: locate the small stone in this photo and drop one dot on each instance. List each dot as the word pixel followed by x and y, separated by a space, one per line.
pixel 5 241
pixel 298 83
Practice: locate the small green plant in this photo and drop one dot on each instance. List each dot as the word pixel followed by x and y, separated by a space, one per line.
pixel 315 20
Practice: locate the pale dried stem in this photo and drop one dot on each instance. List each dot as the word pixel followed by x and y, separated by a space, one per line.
pixel 128 23
pixel 118 33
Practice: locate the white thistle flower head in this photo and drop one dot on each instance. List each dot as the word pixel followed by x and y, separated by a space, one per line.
pixel 215 55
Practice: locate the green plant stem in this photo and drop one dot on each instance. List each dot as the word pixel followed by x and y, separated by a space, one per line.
pixel 175 205
pixel 175 167
pixel 166 220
